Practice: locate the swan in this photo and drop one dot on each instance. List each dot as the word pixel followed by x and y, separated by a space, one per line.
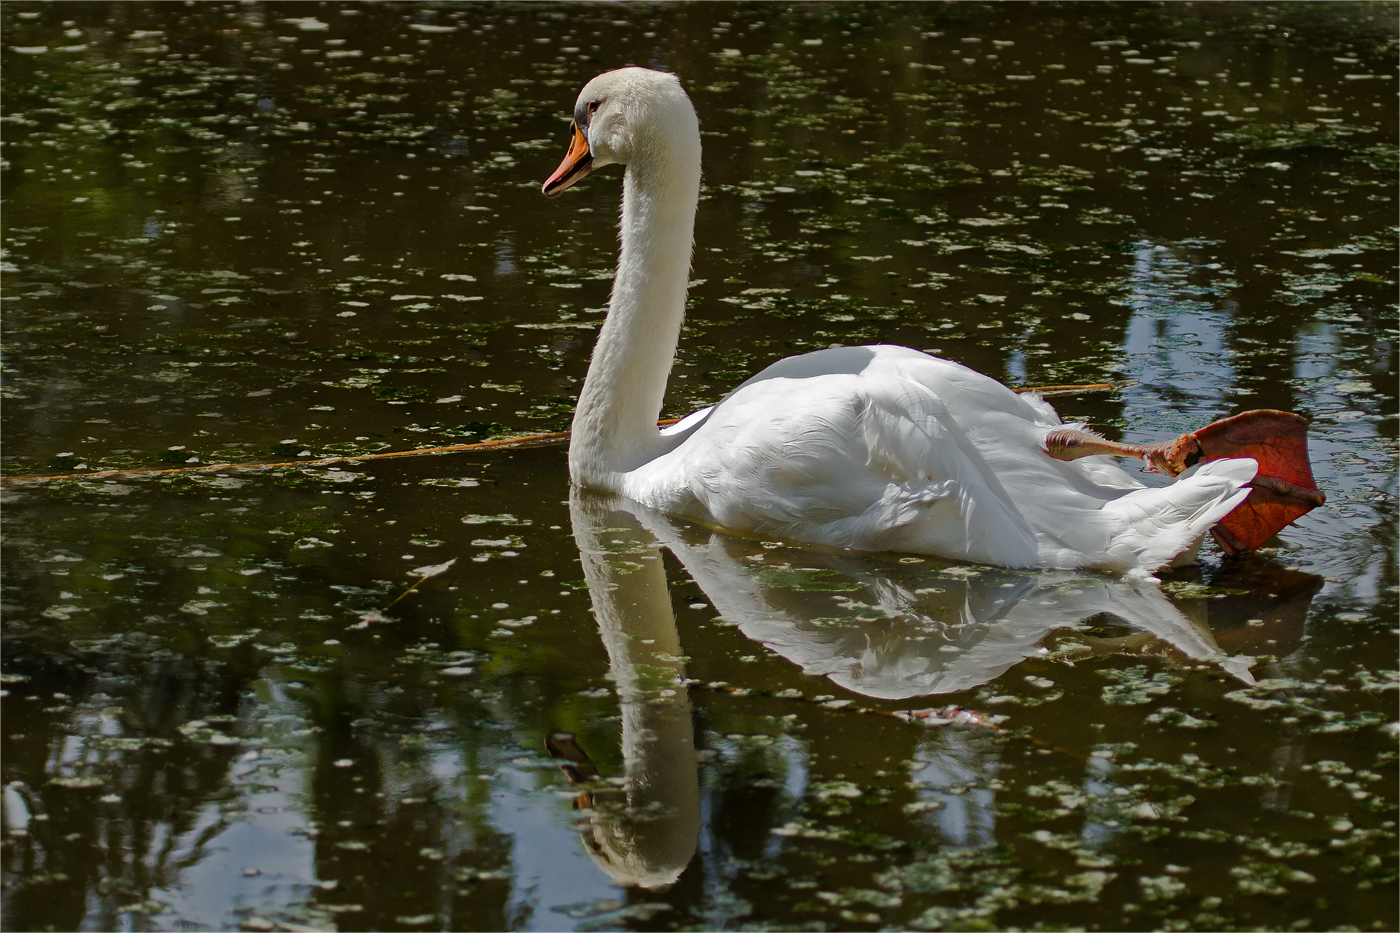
pixel 877 448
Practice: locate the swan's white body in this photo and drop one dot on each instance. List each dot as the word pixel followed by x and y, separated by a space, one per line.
pixel 875 448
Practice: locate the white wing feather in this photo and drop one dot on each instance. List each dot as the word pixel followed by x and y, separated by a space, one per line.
pixel 886 448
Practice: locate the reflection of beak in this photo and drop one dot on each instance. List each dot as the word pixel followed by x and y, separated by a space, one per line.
pixel 575 763
pixel 576 165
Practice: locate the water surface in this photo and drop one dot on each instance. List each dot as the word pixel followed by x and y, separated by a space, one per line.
pixel 242 232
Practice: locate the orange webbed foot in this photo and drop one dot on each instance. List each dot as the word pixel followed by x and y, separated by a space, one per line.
pixel 1283 490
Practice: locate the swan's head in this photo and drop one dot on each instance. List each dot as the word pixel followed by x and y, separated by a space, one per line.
pixel 626 116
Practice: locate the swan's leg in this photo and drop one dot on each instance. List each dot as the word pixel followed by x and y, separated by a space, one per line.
pixel 1282 491
pixel 1171 457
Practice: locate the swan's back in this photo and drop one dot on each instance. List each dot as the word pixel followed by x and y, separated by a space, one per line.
pixel 888 448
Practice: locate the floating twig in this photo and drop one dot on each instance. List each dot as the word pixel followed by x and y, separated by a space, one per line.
pixel 377 615
pixel 533 440
pixel 1077 389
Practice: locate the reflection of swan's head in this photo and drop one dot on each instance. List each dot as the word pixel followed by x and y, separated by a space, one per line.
pixel 644 852
pixel 631 116
pixel 639 838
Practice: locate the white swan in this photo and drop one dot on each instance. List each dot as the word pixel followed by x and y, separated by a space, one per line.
pixel 874 448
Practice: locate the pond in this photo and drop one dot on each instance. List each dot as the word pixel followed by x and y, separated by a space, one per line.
pixel 449 692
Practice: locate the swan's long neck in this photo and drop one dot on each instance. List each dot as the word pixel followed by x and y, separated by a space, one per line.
pixel 614 427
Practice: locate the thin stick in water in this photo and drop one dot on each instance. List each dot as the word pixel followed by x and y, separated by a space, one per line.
pixel 533 440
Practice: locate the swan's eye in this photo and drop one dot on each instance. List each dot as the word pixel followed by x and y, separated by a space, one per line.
pixel 593 105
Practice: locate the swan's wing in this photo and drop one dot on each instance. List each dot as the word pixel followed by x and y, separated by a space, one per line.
pixel 886 448
pixel 850 448
pixel 687 424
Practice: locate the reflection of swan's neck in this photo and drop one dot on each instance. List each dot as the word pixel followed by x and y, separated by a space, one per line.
pixel 653 830
pixel 615 424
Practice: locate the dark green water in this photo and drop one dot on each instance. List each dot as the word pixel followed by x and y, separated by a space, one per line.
pixel 251 231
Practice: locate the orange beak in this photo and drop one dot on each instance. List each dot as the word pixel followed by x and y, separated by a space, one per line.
pixel 576 165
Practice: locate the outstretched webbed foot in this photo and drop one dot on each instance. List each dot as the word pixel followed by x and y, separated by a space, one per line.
pixel 1281 492
pixel 1283 489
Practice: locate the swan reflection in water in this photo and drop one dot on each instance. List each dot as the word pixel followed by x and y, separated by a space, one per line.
pixel 644 831
pixel 878 625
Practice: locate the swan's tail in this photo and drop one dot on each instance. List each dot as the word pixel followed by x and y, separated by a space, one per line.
pixel 1153 525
